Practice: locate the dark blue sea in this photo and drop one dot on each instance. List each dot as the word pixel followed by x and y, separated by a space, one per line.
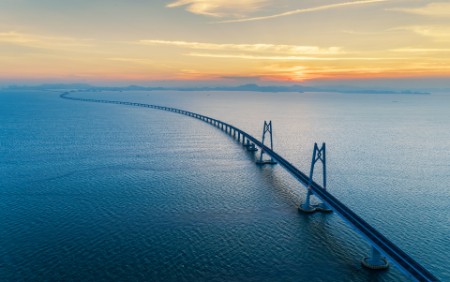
pixel 102 192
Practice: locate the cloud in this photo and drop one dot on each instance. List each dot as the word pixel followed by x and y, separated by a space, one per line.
pixel 44 42
pixel 306 10
pixel 15 38
pixel 131 60
pixel 439 33
pixel 422 50
pixel 219 8
pixel 290 58
pixel 437 9
pixel 254 48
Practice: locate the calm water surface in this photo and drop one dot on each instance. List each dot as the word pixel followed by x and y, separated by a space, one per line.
pixel 100 192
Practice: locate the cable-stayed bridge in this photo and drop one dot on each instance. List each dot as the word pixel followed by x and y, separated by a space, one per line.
pixel 383 250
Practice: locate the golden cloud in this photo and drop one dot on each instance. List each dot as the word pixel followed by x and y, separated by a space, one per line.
pixel 219 8
pixel 254 48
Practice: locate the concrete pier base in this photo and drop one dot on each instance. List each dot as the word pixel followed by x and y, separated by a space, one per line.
pixel 375 261
pixel 323 208
pixel 306 208
pixel 252 148
pixel 314 208
pixel 266 162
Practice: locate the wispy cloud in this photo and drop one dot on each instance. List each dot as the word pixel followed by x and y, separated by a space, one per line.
pixel 439 33
pixel 365 33
pixel 421 50
pixel 219 8
pixel 45 42
pixel 131 60
pixel 437 9
pixel 290 58
pixel 255 48
pixel 306 10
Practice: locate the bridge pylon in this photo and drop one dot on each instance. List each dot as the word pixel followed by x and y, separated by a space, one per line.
pixel 266 129
pixel 319 154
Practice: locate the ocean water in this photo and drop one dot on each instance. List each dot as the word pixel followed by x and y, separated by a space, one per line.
pixel 101 192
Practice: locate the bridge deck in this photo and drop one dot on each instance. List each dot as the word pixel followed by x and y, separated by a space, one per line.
pixel 380 242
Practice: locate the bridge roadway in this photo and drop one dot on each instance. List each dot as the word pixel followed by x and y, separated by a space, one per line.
pixel 407 264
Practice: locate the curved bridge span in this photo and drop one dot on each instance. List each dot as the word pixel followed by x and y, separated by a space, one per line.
pixel 380 244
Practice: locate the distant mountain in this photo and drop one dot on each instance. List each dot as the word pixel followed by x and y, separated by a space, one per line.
pixel 245 87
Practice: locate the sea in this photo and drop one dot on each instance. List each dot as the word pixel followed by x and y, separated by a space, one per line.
pixel 104 192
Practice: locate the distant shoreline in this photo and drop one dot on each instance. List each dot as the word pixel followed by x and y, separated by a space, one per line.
pixel 240 88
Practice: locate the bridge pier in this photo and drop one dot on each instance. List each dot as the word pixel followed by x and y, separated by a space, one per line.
pixel 250 146
pixel 267 128
pixel 318 155
pixel 376 261
pixel 306 206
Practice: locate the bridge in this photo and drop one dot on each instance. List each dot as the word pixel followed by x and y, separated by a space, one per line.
pixel 383 250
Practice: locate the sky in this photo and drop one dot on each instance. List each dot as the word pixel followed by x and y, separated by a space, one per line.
pixel 224 41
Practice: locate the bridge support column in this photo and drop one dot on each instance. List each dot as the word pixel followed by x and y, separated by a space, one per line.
pixel 267 129
pixel 250 146
pixel 375 261
pixel 318 155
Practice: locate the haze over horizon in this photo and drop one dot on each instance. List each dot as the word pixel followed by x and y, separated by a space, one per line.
pixel 225 42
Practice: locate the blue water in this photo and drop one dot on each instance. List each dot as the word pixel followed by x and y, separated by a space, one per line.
pixel 100 192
